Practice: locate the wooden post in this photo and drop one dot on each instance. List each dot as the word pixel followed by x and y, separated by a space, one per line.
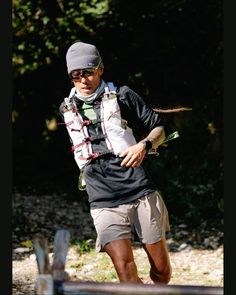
pixel 44 283
pixel 41 250
pixel 61 242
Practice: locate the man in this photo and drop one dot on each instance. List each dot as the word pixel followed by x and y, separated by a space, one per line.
pixel 105 125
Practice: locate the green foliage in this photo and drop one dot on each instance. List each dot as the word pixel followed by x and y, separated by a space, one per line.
pixel 76 265
pixel 105 274
pixel 83 246
pixel 27 244
pixel 39 29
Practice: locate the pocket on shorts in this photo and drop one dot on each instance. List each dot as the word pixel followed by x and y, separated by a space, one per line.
pixel 95 213
pixel 157 207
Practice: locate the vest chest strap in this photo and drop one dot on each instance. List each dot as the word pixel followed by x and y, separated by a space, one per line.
pixel 87 140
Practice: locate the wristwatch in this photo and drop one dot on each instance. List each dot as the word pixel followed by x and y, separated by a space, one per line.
pixel 147 144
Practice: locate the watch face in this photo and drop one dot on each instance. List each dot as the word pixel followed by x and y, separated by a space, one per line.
pixel 148 144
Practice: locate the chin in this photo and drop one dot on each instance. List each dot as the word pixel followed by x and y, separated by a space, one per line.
pixel 85 93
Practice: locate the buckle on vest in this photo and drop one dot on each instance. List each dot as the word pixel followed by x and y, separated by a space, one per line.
pixel 87 139
pixel 87 123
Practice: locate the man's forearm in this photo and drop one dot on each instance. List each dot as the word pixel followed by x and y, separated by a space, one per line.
pixel 156 136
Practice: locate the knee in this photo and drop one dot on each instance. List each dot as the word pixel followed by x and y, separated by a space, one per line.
pixel 124 268
pixel 127 271
pixel 161 276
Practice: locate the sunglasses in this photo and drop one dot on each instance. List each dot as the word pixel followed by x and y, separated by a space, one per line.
pixel 76 75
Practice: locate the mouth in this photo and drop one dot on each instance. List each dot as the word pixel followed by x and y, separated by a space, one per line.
pixel 86 89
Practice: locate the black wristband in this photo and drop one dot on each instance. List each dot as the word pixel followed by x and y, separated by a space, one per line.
pixel 147 145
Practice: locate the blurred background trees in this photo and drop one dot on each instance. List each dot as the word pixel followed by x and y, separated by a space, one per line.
pixel 170 52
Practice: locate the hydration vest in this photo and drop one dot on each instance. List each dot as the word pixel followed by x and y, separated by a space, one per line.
pixel 118 136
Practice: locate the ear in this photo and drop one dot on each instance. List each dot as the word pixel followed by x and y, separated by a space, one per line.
pixel 101 71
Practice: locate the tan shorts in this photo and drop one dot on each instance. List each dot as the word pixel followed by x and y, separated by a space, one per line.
pixel 148 216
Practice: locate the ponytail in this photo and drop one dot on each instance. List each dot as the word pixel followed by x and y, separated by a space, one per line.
pixel 174 110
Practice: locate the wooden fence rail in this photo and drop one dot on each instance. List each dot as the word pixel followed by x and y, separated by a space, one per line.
pixel 88 288
pixel 54 280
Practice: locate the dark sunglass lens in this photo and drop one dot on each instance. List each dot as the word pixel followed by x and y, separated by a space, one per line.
pixel 75 74
pixel 87 73
pixel 78 74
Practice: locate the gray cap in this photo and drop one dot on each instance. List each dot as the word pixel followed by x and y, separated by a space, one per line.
pixel 82 55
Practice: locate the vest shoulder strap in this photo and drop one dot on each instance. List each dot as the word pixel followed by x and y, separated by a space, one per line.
pixel 110 88
pixel 72 92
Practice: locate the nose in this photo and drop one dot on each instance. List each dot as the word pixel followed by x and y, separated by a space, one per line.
pixel 83 79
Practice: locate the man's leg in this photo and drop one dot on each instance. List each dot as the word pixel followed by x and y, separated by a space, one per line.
pixel 121 254
pixel 160 271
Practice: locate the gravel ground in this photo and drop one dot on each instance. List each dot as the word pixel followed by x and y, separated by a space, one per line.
pixel 196 257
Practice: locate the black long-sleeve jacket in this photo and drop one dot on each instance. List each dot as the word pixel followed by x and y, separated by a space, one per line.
pixel 109 184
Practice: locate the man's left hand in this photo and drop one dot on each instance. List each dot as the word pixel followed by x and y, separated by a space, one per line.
pixel 133 155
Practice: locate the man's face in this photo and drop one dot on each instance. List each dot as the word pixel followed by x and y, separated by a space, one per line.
pixel 86 80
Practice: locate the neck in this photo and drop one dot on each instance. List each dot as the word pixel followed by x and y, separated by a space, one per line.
pixel 90 98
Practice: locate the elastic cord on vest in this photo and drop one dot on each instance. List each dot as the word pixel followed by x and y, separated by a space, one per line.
pixel 117 135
